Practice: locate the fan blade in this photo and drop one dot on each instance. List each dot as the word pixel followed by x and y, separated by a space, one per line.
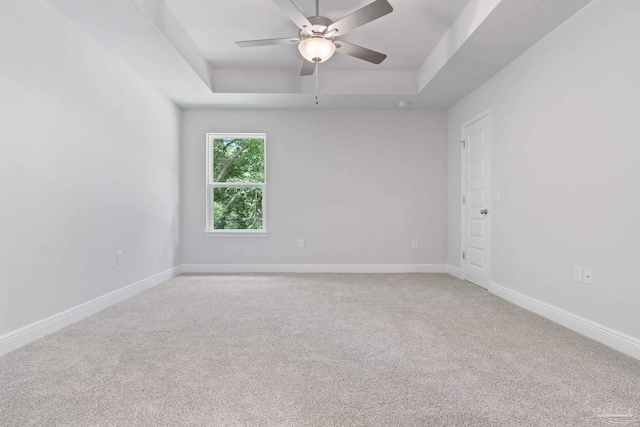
pixel 369 13
pixel 308 68
pixel 267 42
pixel 294 14
pixel 359 52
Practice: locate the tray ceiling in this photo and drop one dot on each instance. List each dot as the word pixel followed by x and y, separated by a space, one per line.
pixel 438 50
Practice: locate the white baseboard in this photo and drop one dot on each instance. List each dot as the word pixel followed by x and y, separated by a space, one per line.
pixel 617 340
pixel 314 268
pixel 454 271
pixel 16 339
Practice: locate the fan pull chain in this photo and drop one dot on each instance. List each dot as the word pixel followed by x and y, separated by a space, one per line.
pixel 317 81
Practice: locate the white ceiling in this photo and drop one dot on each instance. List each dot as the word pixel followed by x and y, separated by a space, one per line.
pixel 438 50
pixel 407 35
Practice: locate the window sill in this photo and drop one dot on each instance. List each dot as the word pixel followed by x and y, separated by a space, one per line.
pixel 236 233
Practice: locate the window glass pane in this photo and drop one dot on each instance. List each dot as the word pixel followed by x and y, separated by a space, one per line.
pixel 238 160
pixel 237 209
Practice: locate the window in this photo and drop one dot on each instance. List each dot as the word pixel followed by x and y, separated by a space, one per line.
pixel 236 185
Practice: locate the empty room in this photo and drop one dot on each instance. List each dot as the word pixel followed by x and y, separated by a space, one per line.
pixel 319 213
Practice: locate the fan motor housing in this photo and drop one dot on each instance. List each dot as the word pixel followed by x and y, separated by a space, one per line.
pixel 320 24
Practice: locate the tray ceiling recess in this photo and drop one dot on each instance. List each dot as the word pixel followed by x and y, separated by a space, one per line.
pixel 435 51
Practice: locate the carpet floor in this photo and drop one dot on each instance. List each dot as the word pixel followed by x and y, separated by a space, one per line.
pixel 317 350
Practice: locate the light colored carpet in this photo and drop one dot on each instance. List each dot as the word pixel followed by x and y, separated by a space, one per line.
pixel 316 350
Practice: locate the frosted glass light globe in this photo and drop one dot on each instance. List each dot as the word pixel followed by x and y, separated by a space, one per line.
pixel 316 48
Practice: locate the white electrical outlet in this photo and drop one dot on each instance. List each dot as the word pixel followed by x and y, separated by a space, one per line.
pixel 497 194
pixel 414 243
pixel 577 273
pixel 588 276
pixel 301 243
pixel 120 257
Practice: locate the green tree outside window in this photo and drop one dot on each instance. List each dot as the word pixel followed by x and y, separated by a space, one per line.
pixel 237 178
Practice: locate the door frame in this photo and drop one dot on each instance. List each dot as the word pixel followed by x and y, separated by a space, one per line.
pixel 463 191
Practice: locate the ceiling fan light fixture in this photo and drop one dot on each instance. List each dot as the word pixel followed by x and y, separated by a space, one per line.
pixel 316 49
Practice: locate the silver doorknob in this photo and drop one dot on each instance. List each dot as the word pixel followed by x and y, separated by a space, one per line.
pixel 484 211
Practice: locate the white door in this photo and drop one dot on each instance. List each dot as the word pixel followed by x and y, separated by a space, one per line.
pixel 476 209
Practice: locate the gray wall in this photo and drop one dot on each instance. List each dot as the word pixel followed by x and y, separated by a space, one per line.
pixel 566 158
pixel 89 165
pixel 357 186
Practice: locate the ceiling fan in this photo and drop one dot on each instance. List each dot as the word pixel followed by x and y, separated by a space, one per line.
pixel 317 37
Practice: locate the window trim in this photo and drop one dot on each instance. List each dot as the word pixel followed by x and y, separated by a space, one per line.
pixel 210 184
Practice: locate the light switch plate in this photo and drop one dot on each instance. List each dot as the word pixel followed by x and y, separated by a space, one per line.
pixel 587 276
pixel 577 273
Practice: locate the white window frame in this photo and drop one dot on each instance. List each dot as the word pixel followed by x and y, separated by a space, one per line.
pixel 210 185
